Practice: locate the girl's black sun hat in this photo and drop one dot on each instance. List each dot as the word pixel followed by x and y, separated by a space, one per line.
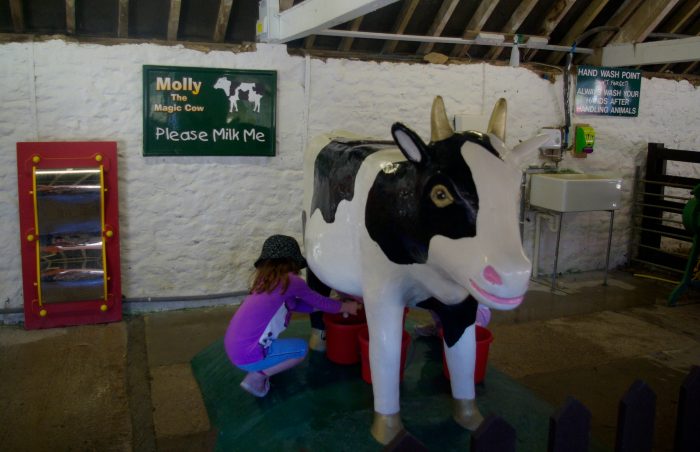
pixel 281 247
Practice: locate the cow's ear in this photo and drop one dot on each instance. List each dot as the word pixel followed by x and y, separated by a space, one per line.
pixel 409 143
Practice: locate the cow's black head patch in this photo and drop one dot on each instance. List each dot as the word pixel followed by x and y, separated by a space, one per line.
pixel 432 193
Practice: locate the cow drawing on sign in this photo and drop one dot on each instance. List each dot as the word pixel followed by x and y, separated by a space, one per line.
pixel 225 84
pixel 255 99
pixel 406 223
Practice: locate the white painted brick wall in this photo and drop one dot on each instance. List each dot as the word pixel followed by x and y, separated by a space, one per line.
pixel 194 225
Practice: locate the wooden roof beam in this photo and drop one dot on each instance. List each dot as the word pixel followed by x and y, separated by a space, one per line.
pixel 693 30
pixel 286 4
pixel 656 52
pixel 691 68
pixel 17 13
pixel 309 17
pixel 516 19
pixel 680 18
pixel 174 19
pixel 556 14
pixel 441 18
pixel 476 24
pixel 309 41
pixel 620 16
pixel 123 19
pixel 409 7
pixel 222 20
pixel 584 20
pixel 346 43
pixel 643 21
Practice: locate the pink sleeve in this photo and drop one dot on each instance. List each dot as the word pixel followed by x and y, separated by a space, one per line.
pixel 302 298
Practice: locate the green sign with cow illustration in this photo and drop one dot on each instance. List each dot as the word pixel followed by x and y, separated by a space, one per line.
pixel 208 112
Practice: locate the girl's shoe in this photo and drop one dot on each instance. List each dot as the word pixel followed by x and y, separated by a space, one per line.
pixel 248 385
pixel 317 341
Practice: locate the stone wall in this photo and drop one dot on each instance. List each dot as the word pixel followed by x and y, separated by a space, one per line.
pixel 194 225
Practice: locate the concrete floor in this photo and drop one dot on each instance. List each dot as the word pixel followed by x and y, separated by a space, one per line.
pixel 129 385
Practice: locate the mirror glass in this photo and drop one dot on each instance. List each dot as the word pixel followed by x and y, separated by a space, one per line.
pixel 69 219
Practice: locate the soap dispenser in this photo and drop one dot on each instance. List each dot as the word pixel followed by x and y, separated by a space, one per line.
pixel 584 140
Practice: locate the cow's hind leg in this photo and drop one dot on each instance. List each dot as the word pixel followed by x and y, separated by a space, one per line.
pixel 317 341
pixel 461 360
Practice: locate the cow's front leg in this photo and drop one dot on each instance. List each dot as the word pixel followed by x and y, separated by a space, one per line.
pixel 461 360
pixel 385 323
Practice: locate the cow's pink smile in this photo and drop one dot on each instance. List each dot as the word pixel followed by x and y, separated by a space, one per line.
pixel 496 299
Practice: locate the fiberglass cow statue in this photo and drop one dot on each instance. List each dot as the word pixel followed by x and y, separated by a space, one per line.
pixel 404 223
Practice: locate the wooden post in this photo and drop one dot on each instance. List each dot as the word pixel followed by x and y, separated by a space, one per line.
pixel 494 435
pixel 635 419
pixel 688 420
pixel 405 442
pixel 656 167
pixel 569 428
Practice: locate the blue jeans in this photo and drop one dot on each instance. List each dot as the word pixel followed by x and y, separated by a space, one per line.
pixel 280 350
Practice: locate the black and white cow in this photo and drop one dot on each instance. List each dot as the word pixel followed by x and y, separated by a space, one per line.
pixel 406 223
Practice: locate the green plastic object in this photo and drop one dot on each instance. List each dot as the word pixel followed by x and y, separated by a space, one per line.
pixel 585 139
pixel 691 221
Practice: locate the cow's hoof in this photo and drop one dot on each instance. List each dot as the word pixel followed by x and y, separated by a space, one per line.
pixel 386 426
pixel 467 414
pixel 317 341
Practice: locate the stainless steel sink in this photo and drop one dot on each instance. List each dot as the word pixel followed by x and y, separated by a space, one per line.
pixel 575 192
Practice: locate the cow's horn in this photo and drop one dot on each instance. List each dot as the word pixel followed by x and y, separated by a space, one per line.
pixel 497 123
pixel 440 127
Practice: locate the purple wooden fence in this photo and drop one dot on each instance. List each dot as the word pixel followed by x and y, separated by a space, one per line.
pixel 569 427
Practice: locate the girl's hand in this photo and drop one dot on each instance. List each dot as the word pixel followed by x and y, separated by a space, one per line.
pixel 350 307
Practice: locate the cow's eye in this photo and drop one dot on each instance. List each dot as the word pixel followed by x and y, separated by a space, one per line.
pixel 441 196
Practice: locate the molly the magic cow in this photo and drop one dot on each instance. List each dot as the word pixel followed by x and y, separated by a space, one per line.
pixel 407 223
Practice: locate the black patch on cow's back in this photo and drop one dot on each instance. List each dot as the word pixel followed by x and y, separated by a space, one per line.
pixel 399 214
pixel 335 170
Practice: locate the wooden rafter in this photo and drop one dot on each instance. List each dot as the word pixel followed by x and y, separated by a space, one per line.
pixel 174 19
pixel 693 30
pixel 691 68
pixel 620 16
pixel 309 41
pixel 550 22
pixel 643 21
pixel 602 38
pixel 346 43
pixel 681 17
pixel 409 7
pixel 17 13
pixel 441 18
pixel 70 17
pixel 123 20
pixel 516 19
pixel 286 4
pixel 222 20
pixel 476 23
pixel 578 28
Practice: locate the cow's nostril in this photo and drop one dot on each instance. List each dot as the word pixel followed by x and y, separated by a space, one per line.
pixel 492 276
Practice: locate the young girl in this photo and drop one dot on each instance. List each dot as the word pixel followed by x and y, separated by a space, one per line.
pixel 251 339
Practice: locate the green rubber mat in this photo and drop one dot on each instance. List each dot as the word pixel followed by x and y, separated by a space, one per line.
pixel 319 405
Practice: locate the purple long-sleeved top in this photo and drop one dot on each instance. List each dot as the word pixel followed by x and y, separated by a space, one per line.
pixel 262 316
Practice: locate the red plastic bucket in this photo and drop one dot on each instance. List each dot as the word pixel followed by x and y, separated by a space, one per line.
pixel 341 337
pixel 483 342
pixel 363 338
